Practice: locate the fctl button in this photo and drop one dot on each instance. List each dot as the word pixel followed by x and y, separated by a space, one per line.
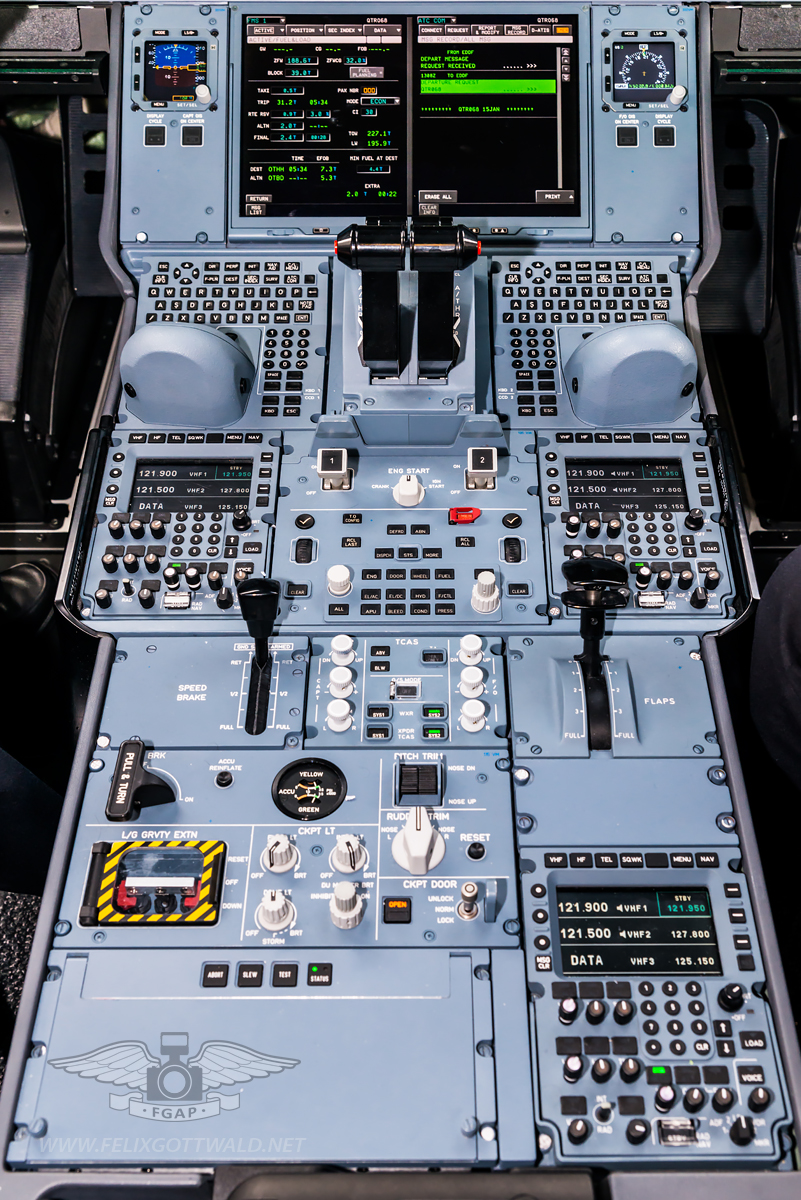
pixel 319 974
pixel 249 975
pixel 285 975
pixel 215 975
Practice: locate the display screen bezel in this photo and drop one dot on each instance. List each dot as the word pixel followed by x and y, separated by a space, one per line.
pixel 654 95
pixel 604 501
pixel 190 504
pixel 159 95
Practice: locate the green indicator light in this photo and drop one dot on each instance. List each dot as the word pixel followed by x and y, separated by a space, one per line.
pixel 486 86
pixel 314 970
pixel 659 1070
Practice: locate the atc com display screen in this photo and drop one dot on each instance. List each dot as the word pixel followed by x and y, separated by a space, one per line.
pixel 637 931
pixel 626 483
pixel 410 116
pixel 191 485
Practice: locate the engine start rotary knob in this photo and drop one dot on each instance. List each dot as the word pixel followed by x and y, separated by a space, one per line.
pixel 408 491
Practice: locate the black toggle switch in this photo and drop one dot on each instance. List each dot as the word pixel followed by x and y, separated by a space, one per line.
pixel 128 588
pixel 133 787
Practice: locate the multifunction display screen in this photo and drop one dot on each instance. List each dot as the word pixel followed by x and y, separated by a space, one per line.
pixel 410 116
pixel 495 116
pixel 637 931
pixel 173 70
pixel 210 485
pixel 626 483
pixel 324 117
pixel 643 71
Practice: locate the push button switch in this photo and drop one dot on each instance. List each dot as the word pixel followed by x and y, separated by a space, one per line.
pixel 285 975
pixel 249 975
pixel 215 975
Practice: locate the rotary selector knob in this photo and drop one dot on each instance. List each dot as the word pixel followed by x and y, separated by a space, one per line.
pixel 665 1097
pixel 568 1010
pixel 241 520
pixel 342 652
pixel 678 95
pixel 731 998
pixel 279 855
pixel 339 716
pixel 578 1131
pixel 131 563
pixel 614 528
pixel 203 93
pixel 695 519
pixel 157 529
pixel 136 528
pixel 349 854
pixel 685 580
pixel 338 580
pixel 109 562
pixel 664 580
pixel 225 598
pixel 419 846
pixel 103 598
pixel 146 597
pixel 712 580
pixel 596 1011
pixel 643 577
pixel 473 716
pixel 694 1099
pixel 471 682
pixel 759 1099
pixel 275 912
pixel 593 528
pixel 486 598
pixel 192 577
pixel 572 1068
pixel 699 598
pixel 637 1131
pixel 215 580
pixel 573 526
pixel 630 1070
pixel 408 491
pixel 116 528
pixel 346 906
pixel 340 681
pixel 623 1012
pixel 172 577
pixel 471 649
pixel 152 563
pixel 742 1132
pixel 723 1099
pixel 602 1070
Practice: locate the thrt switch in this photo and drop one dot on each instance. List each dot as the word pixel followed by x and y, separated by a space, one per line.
pixel 332 468
pixel 482 468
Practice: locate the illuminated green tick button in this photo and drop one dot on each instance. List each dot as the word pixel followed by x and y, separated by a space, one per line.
pixel 319 974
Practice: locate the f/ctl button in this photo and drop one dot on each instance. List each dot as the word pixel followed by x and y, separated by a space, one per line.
pixel 285 974
pixel 215 975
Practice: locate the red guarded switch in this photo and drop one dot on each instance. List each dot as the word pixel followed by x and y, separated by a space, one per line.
pixel 463 516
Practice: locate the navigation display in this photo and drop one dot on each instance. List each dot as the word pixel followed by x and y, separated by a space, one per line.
pixel 637 931
pixel 623 483
pixel 425 116
pixel 173 70
pixel 324 117
pixel 191 485
pixel 644 71
pixel 495 116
